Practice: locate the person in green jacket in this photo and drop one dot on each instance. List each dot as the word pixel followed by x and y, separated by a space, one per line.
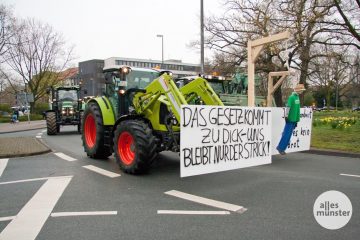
pixel 292 117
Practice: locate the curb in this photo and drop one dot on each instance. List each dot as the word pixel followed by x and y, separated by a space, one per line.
pixel 332 153
pixel 23 130
pixel 39 141
pixel 25 154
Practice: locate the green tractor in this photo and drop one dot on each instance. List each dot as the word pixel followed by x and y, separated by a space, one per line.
pixel 232 92
pixel 139 116
pixel 65 109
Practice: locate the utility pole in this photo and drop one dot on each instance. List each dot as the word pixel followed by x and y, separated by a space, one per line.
pixel 162 49
pixel 26 105
pixel 202 35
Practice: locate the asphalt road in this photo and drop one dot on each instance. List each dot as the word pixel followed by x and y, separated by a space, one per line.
pixel 279 198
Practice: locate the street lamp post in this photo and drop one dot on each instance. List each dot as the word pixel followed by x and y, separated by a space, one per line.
pixel 202 36
pixel 162 49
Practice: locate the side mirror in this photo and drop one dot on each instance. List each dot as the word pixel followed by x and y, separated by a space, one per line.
pixel 108 78
pixel 48 90
pixel 85 91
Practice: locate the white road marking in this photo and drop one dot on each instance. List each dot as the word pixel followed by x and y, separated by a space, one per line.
pixel 33 180
pixel 32 217
pixel 37 136
pixel 5 219
pixel 43 131
pixel 343 174
pixel 94 213
pixel 193 212
pixel 207 201
pixel 3 163
pixel 102 171
pixel 65 157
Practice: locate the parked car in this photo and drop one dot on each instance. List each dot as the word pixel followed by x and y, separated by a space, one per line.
pixel 4 114
pixel 325 108
pixel 356 109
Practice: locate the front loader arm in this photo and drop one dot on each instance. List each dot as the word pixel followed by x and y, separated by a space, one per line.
pixel 202 89
pixel 164 90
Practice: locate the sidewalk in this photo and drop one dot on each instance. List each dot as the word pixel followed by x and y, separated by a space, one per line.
pixel 21 126
pixel 21 146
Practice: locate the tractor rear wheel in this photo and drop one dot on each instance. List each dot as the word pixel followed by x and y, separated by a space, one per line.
pixel 134 146
pixel 93 133
pixel 51 123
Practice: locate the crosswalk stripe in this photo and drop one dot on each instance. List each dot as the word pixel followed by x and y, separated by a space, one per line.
pixel 31 218
pixel 3 163
pixel 182 212
pixel 102 171
pixel 207 201
pixel 65 157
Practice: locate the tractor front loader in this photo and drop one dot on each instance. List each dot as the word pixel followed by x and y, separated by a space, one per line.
pixel 139 116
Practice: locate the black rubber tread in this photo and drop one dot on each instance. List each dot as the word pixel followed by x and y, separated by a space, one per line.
pixel 81 118
pixel 145 146
pixel 51 123
pixel 99 150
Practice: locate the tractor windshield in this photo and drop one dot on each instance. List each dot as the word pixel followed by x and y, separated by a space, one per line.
pixel 67 95
pixel 220 86
pixel 140 79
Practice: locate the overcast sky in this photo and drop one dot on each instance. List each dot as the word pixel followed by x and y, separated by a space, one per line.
pixel 123 28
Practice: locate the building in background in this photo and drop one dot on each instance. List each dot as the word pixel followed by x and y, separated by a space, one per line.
pixel 92 77
pixel 69 77
pixel 177 67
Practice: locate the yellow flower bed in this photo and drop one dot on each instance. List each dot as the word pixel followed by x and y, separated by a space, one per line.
pixel 336 122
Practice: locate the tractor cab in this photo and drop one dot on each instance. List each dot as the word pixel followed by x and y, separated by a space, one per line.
pixel 65 109
pixel 122 82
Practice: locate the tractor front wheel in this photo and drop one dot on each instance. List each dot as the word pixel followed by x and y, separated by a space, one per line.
pixel 51 123
pixel 93 133
pixel 134 146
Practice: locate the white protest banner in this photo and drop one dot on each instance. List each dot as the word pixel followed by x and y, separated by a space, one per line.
pixel 301 137
pixel 220 138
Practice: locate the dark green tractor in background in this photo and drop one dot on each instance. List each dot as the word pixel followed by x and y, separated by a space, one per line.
pixel 231 91
pixel 65 109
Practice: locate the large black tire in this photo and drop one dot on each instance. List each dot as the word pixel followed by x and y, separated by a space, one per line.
pixel 134 146
pixel 93 133
pixel 81 119
pixel 51 123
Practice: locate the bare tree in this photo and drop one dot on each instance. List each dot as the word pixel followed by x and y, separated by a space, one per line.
pixel 331 73
pixel 313 24
pixel 37 55
pixel 352 95
pixel 349 11
pixel 6 29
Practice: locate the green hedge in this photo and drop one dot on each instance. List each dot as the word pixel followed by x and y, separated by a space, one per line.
pixel 5 107
pixel 41 107
pixel 24 118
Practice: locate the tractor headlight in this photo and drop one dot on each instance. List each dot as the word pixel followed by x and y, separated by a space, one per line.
pixel 71 111
pixel 63 111
pixel 122 91
pixel 125 70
